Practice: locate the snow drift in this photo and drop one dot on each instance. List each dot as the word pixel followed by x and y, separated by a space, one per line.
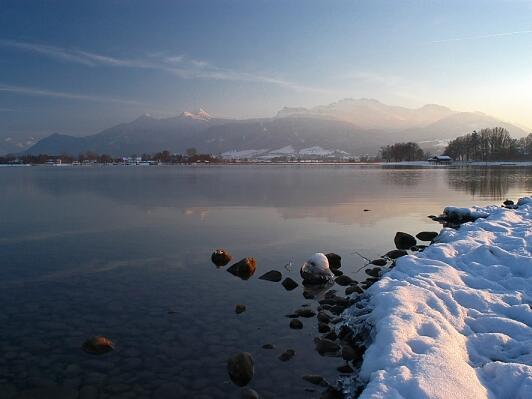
pixel 455 320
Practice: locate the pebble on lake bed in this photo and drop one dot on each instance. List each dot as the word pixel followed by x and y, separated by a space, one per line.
pixel 241 368
pixel 221 257
pixel 98 345
pixel 287 355
pixel 248 393
pixel 296 324
pixel 239 308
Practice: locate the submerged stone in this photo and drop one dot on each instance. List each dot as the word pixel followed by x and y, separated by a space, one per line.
pixel 241 368
pixel 272 275
pixel 98 345
pixel 244 268
pixel 289 284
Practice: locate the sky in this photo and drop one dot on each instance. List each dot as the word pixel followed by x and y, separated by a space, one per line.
pixel 77 67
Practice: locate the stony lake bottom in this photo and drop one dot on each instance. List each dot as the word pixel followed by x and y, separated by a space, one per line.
pixel 124 252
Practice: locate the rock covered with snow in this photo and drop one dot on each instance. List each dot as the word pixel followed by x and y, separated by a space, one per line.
pixel 455 320
pixel 316 270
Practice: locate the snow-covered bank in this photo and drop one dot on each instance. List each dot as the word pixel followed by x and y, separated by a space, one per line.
pixel 455 320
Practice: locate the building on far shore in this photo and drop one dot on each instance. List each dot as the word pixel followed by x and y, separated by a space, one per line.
pixel 440 159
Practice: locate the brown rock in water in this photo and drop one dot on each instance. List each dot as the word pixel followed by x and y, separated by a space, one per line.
pixel 344 280
pixel 335 260
pixel 221 257
pixel 337 272
pixel 404 240
pixel 375 272
pixel 323 328
pixel 296 324
pixel 243 268
pixel 353 289
pixel 427 235
pixel 287 355
pixel 272 275
pixel 241 368
pixel 326 347
pixel 345 369
pixel 289 284
pixel 396 253
pixel 305 312
pixel 240 308
pixel 98 345
pixel 316 380
pixel 379 262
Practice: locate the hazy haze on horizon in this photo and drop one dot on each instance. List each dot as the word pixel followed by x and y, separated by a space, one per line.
pixel 79 67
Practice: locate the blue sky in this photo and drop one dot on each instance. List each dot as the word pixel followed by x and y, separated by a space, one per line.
pixel 78 67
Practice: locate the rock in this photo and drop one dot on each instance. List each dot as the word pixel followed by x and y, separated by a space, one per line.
pixel 323 328
pixel 353 289
pixel 375 272
pixel 287 355
pixel 379 262
pixel 296 324
pixel 344 280
pixel 98 345
pixel 289 284
pixel 240 308
pixel 332 336
pixel 404 240
pixel 366 210
pixel 243 268
pixel 335 260
pixel 332 393
pixel 427 235
pixel 507 202
pixel 396 253
pixel 272 275
pixel 316 270
pixel 345 369
pixel 268 346
pixel 305 312
pixel 324 317
pixel 221 257
pixel 326 347
pixel 337 272
pixel 316 379
pixel 241 368
pixel 352 353
pixel 248 393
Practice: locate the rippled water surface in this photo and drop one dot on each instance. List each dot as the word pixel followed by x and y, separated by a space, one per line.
pixel 125 252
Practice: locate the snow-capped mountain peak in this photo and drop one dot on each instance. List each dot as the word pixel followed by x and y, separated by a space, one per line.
pixel 200 114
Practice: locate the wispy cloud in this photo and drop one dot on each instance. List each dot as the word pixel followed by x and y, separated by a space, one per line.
pixel 179 65
pixel 33 91
pixel 485 36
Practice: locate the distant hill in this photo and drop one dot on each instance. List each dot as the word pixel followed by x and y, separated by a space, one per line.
pixel 348 127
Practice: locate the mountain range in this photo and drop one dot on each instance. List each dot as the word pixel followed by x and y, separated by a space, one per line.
pixel 347 127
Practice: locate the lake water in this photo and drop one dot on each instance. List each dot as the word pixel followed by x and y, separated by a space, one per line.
pixel 125 252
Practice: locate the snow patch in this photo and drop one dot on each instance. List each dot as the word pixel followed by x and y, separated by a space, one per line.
pixel 454 321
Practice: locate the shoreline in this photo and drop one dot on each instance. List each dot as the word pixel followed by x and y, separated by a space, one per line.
pixel 453 320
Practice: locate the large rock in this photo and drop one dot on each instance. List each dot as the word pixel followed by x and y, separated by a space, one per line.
pixel 243 268
pixel 98 345
pixel 272 275
pixel 427 235
pixel 221 257
pixel 335 260
pixel 241 368
pixel 326 347
pixel 316 270
pixel 404 240
pixel 396 253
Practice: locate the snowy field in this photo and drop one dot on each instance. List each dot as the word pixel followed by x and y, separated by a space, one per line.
pixel 455 320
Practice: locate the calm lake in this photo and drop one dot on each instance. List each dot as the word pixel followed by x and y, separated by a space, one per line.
pixel 125 252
